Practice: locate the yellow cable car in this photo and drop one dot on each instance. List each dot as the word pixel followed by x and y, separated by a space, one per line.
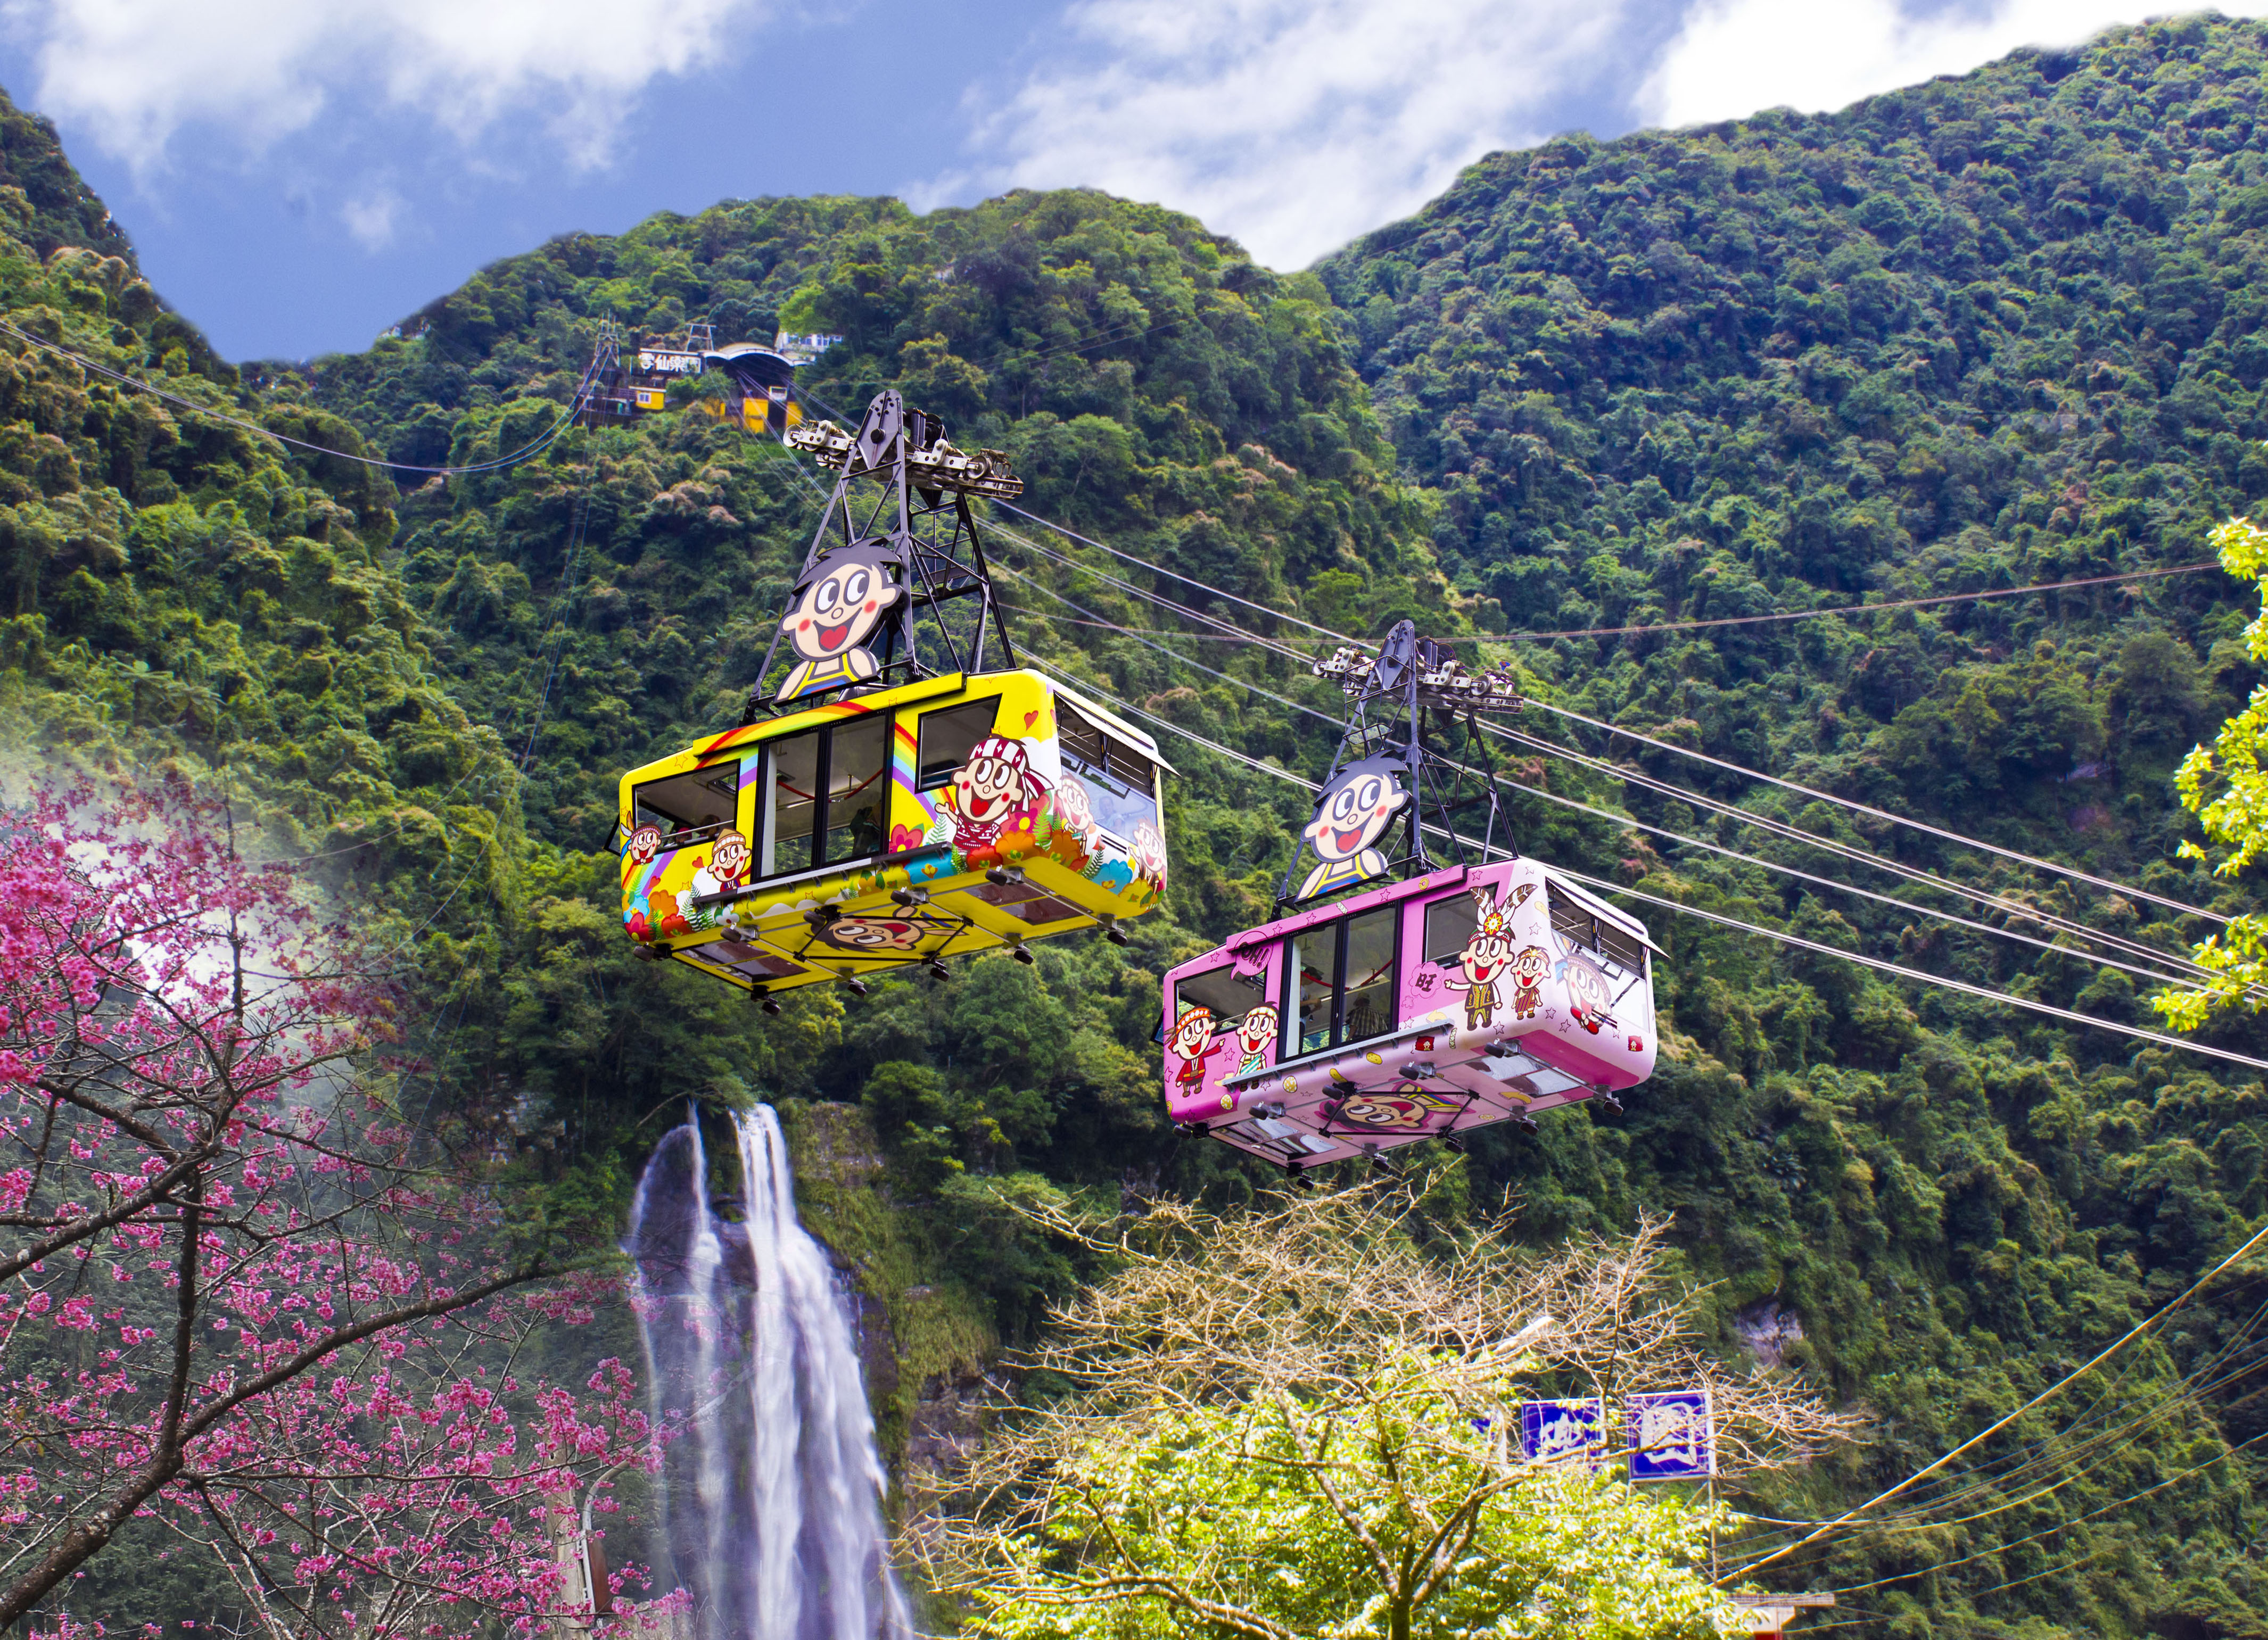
pixel 940 818
pixel 892 812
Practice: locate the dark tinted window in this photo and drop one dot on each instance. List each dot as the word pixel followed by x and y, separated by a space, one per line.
pixel 1219 989
pixel 825 796
pixel 948 737
pixel 1449 924
pixel 1575 922
pixel 698 800
pixel 1096 749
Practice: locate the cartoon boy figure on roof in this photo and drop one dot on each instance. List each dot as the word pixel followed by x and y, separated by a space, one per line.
pixel 990 790
pixel 840 600
pixel 1350 816
pixel 1193 1039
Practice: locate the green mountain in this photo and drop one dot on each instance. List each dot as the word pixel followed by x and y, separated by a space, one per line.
pixel 1988 332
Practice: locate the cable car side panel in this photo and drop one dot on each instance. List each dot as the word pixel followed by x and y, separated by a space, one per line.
pixel 1512 992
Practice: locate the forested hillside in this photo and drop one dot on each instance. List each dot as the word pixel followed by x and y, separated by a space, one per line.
pixel 1992 331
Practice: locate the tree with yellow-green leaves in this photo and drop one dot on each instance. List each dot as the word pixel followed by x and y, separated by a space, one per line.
pixel 1297 1421
pixel 2226 789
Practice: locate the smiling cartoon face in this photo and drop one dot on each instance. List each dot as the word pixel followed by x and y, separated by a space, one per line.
pixel 842 602
pixel 1192 1031
pixel 1531 965
pixel 1489 951
pixel 644 842
pixel 878 934
pixel 730 857
pixel 1258 1028
pixel 997 778
pixel 1073 806
pixel 1407 1105
pixel 1150 851
pixel 1355 808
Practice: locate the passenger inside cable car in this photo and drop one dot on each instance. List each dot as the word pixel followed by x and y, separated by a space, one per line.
pixel 1424 1007
pixel 939 819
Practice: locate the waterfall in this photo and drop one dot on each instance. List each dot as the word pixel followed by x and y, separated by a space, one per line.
pixel 771 1488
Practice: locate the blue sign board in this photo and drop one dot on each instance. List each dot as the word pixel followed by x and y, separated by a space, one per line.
pixel 1672 1437
pixel 1554 1431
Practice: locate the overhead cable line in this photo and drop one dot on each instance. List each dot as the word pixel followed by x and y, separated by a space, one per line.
pixel 526 452
pixel 1852 804
pixel 2001 1423
pixel 2078 930
pixel 1792 833
pixel 1919 975
pixel 1940 833
pixel 1848 888
pixel 1821 615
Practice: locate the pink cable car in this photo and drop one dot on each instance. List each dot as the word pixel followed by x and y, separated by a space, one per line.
pixel 1420 993
pixel 1444 1001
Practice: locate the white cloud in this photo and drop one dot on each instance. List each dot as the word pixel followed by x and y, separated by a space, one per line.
pixel 372 219
pixel 133 72
pixel 1734 57
pixel 1292 124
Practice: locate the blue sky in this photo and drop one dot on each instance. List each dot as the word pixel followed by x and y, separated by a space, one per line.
pixel 298 174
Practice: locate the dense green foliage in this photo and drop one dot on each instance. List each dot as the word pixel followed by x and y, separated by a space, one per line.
pixel 1993 330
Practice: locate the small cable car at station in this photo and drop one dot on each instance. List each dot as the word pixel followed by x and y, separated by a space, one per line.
pixel 1413 996
pixel 629 382
pixel 876 810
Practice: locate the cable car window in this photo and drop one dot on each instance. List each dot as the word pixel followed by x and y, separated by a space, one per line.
pixel 823 793
pixel 1100 752
pixel 1221 994
pixel 1314 984
pixel 858 786
pixel 1369 965
pixel 792 796
pixel 1449 926
pixel 1342 985
pixel 1572 920
pixel 948 737
pixel 699 800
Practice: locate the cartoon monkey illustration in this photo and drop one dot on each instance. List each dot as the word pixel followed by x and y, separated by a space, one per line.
pixel 838 604
pixel 990 790
pixel 1527 971
pixel 1483 960
pixel 645 841
pixel 1193 1041
pixel 1352 815
pixel 1407 1105
pixel 880 935
pixel 1254 1033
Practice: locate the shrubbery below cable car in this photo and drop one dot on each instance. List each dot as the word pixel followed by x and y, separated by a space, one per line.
pixel 1445 1001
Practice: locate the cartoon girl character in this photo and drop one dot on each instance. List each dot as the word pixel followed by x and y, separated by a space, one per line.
pixel 1254 1033
pixel 1352 814
pixel 990 790
pixel 1483 961
pixel 1193 1039
pixel 838 603
pixel 645 842
pixel 1589 992
pixel 1527 971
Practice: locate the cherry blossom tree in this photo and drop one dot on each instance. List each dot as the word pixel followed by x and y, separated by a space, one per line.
pixel 239 1294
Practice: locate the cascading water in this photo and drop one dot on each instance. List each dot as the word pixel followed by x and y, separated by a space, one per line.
pixel 770 1483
